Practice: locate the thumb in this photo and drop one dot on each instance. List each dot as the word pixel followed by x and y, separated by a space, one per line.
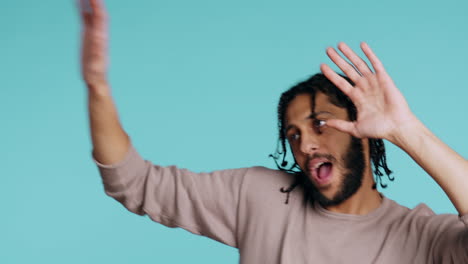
pixel 343 126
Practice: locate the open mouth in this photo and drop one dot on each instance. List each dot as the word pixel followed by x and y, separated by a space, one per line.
pixel 322 172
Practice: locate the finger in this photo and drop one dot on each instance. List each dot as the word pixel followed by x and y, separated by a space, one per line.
pixel 346 67
pixel 343 126
pixel 341 83
pixel 93 12
pixel 376 63
pixel 85 6
pixel 360 64
pixel 98 7
pixel 85 11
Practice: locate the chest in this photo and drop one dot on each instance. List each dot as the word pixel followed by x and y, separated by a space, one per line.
pixel 306 237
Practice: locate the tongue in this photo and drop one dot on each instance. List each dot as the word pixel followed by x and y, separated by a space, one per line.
pixel 324 170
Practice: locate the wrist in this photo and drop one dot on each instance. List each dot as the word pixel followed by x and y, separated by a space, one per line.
pixel 406 131
pixel 100 89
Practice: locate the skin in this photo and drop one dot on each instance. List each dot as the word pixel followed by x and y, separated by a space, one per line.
pixel 382 112
pixel 110 141
pixel 308 138
pixel 94 45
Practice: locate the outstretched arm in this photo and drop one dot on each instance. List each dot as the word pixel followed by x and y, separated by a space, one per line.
pixel 110 142
pixel 384 113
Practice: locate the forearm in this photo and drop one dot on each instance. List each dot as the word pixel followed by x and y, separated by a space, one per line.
pixel 443 164
pixel 110 142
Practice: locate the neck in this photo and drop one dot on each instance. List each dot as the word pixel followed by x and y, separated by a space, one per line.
pixel 364 201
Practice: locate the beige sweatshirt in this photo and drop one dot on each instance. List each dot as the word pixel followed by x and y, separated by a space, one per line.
pixel 244 208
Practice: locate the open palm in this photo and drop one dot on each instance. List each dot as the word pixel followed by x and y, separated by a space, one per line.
pixel 381 108
pixel 94 57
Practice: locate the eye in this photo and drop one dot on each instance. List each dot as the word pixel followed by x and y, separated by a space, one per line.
pixel 293 137
pixel 318 125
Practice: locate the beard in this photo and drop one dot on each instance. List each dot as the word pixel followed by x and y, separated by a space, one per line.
pixel 354 164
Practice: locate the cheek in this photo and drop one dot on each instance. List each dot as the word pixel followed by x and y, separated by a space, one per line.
pixel 298 156
pixel 336 136
pixel 336 142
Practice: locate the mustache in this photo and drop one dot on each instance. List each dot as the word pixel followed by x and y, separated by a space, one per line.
pixel 320 155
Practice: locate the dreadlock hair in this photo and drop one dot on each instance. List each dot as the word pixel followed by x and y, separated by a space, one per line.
pixel 320 83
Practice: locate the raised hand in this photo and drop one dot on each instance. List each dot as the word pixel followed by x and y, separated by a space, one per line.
pixel 381 108
pixel 94 57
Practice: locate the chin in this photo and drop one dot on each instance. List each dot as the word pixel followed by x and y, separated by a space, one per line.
pixel 331 194
pixel 328 193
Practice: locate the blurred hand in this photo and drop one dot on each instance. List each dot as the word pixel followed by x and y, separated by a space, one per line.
pixel 94 43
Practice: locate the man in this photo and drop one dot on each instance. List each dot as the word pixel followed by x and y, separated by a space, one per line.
pixel 334 130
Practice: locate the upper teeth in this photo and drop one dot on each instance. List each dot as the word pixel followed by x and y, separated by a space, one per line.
pixel 318 164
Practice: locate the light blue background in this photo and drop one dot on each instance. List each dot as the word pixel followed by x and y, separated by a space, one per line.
pixel 196 84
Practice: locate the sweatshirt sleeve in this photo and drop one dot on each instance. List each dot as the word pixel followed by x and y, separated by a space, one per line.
pixel 441 238
pixel 451 238
pixel 202 203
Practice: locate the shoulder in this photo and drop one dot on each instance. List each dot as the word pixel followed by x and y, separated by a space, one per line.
pixel 403 213
pixel 268 177
pixel 263 183
pixel 422 217
pixel 400 210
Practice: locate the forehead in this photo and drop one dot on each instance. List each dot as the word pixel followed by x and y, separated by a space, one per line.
pixel 300 108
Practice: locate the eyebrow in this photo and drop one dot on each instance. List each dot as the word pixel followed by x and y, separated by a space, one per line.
pixel 311 116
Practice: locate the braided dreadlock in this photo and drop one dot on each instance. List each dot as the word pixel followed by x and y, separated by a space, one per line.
pixel 319 83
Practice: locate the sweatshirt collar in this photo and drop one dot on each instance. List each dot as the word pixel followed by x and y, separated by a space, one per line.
pixel 373 214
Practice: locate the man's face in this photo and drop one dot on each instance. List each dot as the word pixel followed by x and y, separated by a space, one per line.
pixel 332 160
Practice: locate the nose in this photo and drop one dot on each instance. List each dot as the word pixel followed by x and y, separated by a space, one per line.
pixel 309 144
